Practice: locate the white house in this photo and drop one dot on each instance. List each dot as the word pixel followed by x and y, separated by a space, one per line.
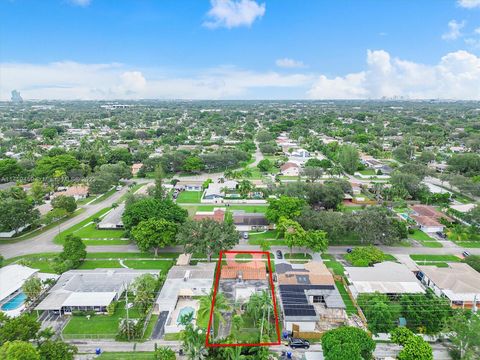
pixel 386 278
pixel 458 282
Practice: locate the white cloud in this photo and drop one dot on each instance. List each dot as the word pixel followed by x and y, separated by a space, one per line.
pixel 233 13
pixel 477 31
pixel 454 30
pixel 289 63
pixel 80 2
pixel 469 4
pixel 71 80
pixel 456 76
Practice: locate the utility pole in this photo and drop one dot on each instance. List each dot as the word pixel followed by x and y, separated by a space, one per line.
pixel 126 307
pixel 474 307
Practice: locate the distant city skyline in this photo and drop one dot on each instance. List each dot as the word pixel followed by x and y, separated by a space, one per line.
pixel 240 49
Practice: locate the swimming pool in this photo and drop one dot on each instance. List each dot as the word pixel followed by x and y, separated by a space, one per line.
pixel 15 302
pixel 184 311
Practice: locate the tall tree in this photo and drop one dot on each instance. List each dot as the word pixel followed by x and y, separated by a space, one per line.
pixel 285 206
pixel 32 288
pixel 154 234
pixel 414 347
pixel 347 343
pixel 464 335
pixel 207 236
pixel 349 159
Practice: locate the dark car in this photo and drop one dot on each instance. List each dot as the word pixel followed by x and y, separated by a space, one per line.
pixel 296 343
pixel 466 253
pixel 279 254
pixel 441 234
pixel 349 250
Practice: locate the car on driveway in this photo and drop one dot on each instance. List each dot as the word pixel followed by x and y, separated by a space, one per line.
pixel 349 250
pixel 279 254
pixel 297 343
pixel 466 253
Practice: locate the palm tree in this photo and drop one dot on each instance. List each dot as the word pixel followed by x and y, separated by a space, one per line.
pixel 245 187
pixel 221 305
pixel 457 233
pixel 233 353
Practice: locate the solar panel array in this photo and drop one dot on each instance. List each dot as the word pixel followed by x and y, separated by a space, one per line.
pixel 295 302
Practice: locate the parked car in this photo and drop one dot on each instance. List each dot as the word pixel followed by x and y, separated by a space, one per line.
pixel 441 234
pixel 349 250
pixel 279 254
pixel 466 253
pixel 245 235
pixel 296 343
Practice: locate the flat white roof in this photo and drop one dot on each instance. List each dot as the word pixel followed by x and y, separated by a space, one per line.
pixel 12 278
pixel 90 299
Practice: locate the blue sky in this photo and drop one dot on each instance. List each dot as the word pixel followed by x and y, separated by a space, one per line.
pixel 240 48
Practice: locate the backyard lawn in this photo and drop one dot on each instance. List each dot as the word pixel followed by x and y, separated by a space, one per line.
pixel 192 197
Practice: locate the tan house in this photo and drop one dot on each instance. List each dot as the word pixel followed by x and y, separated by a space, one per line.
pixel 290 169
pixel 77 191
pixel 136 168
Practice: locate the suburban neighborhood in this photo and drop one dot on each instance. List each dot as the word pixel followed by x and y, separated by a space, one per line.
pixel 234 180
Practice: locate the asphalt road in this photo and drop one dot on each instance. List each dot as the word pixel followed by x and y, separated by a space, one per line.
pixel 87 348
pixel 44 241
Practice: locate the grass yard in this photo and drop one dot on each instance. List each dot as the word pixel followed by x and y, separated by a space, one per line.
pixel 420 236
pixel 368 172
pixel 97 264
pixel 100 242
pixel 439 258
pixel 105 196
pixel 91 232
pixel 162 265
pixel 351 309
pixel 266 235
pixel 192 197
pixel 298 258
pixel 98 326
pixel 42 262
pixel 60 238
pixel 246 257
pixel 468 244
pixel 424 239
pixel 192 209
pixel 121 255
pixel 333 264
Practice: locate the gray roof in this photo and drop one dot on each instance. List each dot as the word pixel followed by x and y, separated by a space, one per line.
pixel 240 217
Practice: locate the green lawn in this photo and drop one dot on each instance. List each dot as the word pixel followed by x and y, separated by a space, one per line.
pixel 350 239
pixel 298 257
pixel 120 255
pixel 59 239
pixel 42 262
pixel 424 239
pixel 420 236
pixel 192 197
pixel 91 232
pixel 163 265
pixel 192 209
pixel 368 172
pixel 104 196
pixel 96 242
pixel 351 309
pixel 266 235
pixel 468 244
pixel 440 258
pixel 332 264
pixel 243 257
pixel 98 326
pixel 95 264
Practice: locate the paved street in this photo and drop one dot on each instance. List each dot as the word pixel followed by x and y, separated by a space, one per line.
pixel 44 241
pixel 87 348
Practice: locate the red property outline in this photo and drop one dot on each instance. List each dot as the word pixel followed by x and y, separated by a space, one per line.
pixel 217 280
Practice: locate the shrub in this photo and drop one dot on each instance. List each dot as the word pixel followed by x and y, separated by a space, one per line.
pixel 365 256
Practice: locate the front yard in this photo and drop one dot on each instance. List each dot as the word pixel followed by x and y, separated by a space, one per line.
pixel 101 326
pixel 189 197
